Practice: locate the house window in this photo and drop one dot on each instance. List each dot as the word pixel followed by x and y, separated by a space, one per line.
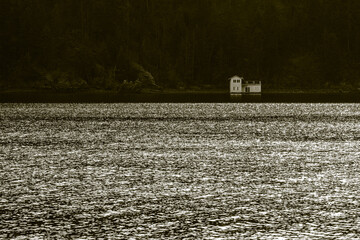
pixel 247 89
pixel 234 81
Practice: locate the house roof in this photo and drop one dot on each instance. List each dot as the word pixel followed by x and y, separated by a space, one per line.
pixel 235 77
pixel 251 83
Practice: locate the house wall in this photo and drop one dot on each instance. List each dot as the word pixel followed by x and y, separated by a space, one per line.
pixel 235 85
pixel 256 88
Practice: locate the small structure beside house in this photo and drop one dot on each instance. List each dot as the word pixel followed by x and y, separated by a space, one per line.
pixel 238 86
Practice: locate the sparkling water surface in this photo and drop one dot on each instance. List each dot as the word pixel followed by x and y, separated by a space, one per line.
pixel 175 171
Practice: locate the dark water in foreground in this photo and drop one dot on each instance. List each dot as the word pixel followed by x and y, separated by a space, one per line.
pixel 174 171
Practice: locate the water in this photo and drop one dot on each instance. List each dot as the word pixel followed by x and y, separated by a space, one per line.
pixel 180 97
pixel 174 171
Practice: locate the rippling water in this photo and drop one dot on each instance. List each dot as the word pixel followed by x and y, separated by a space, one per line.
pixel 171 171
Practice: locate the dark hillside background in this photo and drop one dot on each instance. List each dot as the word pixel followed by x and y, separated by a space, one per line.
pixel 131 44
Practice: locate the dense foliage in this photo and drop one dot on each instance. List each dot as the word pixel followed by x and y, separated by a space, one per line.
pixel 179 43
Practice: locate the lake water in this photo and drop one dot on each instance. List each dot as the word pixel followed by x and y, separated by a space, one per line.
pixel 174 171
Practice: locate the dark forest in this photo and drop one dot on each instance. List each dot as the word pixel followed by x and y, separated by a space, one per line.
pixel 132 44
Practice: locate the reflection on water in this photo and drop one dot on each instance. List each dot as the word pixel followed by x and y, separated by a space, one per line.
pixel 179 170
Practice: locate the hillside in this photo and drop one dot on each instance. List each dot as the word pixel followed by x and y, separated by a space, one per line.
pixel 125 45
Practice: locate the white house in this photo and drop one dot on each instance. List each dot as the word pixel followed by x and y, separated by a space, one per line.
pixel 238 86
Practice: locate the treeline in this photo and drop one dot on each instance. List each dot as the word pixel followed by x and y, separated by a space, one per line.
pixel 129 44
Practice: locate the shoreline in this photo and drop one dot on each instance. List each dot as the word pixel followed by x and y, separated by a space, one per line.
pixel 172 95
pixel 175 91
